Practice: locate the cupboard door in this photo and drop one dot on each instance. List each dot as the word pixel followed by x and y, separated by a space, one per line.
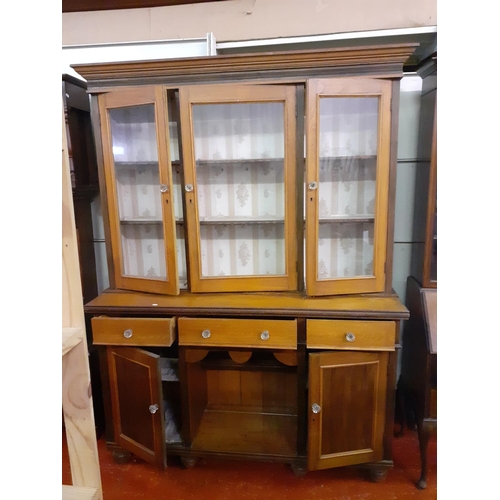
pixel 137 403
pixel 348 124
pixel 139 190
pixel 347 398
pixel 238 145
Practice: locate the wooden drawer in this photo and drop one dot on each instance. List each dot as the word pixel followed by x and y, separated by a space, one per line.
pixel 252 333
pixel 133 331
pixel 351 335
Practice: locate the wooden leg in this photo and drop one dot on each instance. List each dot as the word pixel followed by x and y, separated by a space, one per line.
pixel 424 427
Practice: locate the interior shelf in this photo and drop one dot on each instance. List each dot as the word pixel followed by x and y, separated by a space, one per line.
pixel 247 432
pixel 136 164
pixel 238 162
pixel 325 159
pixel 250 219
pixel 141 220
pixel 347 218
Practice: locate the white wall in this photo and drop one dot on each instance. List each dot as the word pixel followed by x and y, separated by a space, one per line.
pixel 246 20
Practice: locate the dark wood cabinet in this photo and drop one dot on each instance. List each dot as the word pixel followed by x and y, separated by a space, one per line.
pixel 424 256
pixel 418 381
pixel 84 177
pixel 249 210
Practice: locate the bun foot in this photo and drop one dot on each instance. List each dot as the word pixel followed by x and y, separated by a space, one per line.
pixel 378 474
pixel 299 470
pixel 188 462
pixel 121 456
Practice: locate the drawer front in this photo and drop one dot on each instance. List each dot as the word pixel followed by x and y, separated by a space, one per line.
pixel 252 333
pixel 133 331
pixel 351 335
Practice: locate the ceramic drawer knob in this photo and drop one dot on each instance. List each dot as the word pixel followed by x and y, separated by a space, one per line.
pixel 350 337
pixel 127 333
pixel 153 408
pixel 188 188
pixel 163 188
pixel 312 186
pixel 206 334
pixel 264 335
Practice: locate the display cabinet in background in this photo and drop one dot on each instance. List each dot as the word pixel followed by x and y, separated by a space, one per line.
pixel 84 176
pixel 424 256
pixel 249 214
pixel 418 381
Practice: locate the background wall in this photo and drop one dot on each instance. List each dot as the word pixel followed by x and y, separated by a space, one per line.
pixel 245 20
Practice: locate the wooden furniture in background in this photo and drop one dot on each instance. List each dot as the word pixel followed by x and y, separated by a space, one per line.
pixel 418 380
pixel 77 406
pixel 424 256
pixel 419 364
pixel 248 204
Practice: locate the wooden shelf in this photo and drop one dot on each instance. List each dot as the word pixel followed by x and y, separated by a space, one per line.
pixel 140 220
pixel 360 158
pixel 251 219
pixel 251 433
pixel 347 218
pixel 79 493
pixel 71 337
pixel 135 164
pixel 239 162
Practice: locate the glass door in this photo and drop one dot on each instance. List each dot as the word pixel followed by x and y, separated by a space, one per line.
pixel 347 178
pixel 139 190
pixel 239 168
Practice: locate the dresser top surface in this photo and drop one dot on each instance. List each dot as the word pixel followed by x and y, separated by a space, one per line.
pixel 286 304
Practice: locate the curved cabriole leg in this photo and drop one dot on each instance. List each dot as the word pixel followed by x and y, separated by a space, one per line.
pixel 424 431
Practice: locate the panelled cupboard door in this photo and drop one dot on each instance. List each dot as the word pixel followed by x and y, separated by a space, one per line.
pixel 348 125
pixel 347 398
pixel 239 154
pixel 139 189
pixel 137 403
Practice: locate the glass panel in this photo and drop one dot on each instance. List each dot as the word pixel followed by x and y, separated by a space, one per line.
pixel 348 139
pixel 239 152
pixel 135 154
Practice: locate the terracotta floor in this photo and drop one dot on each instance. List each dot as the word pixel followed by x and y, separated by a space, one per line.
pixel 215 479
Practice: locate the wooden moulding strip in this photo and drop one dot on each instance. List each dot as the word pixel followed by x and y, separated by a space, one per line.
pixel 250 64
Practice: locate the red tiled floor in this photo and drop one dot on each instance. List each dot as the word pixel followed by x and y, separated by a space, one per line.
pixel 215 479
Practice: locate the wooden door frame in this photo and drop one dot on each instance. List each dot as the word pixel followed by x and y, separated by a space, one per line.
pixel 224 94
pixel 348 87
pixel 131 98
